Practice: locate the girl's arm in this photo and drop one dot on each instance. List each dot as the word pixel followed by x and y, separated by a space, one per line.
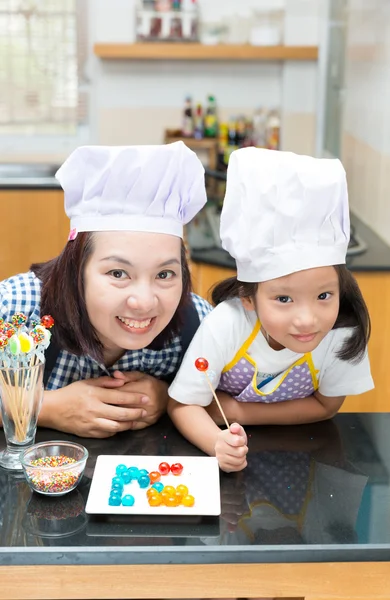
pixel 292 412
pixel 194 423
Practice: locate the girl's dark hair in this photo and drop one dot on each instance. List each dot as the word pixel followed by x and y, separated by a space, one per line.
pixel 63 297
pixel 353 311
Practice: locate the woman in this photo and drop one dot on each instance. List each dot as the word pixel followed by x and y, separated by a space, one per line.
pixel 120 290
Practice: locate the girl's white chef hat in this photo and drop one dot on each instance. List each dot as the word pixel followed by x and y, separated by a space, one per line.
pixel 284 213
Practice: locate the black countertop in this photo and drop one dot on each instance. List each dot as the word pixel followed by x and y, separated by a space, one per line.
pixel 312 493
pixel 375 258
pixel 29 176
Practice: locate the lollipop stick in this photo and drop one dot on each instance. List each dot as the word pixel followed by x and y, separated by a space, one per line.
pixel 217 401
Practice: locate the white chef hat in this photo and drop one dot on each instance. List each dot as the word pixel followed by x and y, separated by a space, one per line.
pixel 132 188
pixel 284 213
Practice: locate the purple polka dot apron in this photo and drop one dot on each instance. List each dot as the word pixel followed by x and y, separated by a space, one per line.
pixel 280 480
pixel 239 377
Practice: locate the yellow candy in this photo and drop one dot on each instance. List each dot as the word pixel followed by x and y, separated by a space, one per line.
pixel 26 342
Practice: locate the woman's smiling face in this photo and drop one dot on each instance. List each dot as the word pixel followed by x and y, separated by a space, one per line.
pixel 133 286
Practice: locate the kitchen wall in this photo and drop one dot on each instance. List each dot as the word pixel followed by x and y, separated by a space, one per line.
pixel 366 132
pixel 133 102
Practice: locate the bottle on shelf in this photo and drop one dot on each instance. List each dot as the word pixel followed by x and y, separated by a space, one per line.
pixel 211 119
pixel 188 118
pixel 198 123
pixel 189 10
pixel 222 145
pixel 259 137
pixel 241 129
pixel 273 131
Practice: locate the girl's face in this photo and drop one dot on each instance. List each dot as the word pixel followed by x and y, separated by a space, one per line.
pixel 298 310
pixel 133 285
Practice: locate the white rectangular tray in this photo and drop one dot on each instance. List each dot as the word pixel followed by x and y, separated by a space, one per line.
pixel 200 475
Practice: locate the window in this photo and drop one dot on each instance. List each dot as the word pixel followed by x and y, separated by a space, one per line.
pixel 42 56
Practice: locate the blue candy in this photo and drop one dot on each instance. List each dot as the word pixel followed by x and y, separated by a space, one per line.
pixel 120 469
pixel 143 472
pixel 114 500
pixel 144 481
pixel 117 493
pixel 128 500
pixel 117 480
pixel 133 472
pixel 117 486
pixel 158 486
pixel 126 477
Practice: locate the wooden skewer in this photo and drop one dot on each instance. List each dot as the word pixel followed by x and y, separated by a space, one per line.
pixel 216 399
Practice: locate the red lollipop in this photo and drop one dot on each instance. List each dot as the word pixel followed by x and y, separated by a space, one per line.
pixel 47 321
pixel 202 364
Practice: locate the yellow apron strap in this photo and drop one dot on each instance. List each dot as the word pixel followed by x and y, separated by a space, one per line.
pixel 243 348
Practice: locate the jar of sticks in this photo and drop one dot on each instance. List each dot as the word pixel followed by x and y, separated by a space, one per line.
pixel 22 363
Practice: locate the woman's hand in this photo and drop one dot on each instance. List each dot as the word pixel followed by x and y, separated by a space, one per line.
pixel 152 389
pixel 96 408
pixel 231 448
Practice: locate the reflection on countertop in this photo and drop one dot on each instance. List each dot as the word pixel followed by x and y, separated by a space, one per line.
pixel 316 492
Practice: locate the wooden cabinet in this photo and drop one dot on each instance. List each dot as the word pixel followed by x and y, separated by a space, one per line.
pixel 34 228
pixel 205 276
pixel 375 287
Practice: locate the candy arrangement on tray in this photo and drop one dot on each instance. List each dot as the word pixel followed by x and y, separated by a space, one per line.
pixel 157 493
pixel 151 480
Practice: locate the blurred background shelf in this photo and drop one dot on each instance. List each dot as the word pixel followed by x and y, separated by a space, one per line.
pixel 177 51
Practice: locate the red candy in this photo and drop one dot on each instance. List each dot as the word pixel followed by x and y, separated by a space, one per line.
pixel 47 321
pixel 164 468
pixel 176 469
pixel 201 364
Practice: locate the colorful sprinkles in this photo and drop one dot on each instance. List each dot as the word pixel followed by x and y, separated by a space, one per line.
pixel 53 482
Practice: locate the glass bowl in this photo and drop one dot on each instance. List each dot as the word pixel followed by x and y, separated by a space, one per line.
pixel 54 468
pixel 55 517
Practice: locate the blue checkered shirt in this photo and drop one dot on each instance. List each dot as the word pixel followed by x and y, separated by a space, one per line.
pixel 22 293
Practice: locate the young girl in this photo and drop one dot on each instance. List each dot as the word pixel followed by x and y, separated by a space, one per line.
pixel 120 291
pixel 287 340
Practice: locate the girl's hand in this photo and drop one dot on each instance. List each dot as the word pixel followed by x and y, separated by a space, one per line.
pixel 231 449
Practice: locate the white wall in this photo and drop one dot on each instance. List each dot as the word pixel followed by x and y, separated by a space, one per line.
pixel 135 101
pixel 366 140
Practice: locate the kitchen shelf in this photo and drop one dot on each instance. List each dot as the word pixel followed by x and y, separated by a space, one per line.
pixel 191 51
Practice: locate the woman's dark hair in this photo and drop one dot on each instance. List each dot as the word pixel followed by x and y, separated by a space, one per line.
pixel 63 297
pixel 353 311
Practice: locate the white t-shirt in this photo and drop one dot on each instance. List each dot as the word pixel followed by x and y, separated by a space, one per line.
pixel 223 332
